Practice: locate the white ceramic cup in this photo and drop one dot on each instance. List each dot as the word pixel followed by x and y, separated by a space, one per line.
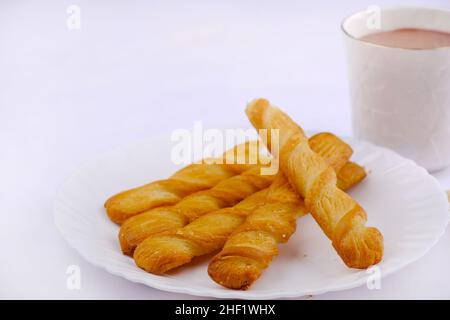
pixel 401 97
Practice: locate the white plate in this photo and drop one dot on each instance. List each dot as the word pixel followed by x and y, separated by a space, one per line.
pixel 401 199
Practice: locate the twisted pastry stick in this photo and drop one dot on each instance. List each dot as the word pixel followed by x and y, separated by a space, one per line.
pixel 191 179
pixel 350 173
pixel 161 253
pixel 226 193
pixel 255 243
pixel 340 217
pixel 251 248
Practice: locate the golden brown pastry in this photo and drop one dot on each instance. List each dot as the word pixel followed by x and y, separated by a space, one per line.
pixel 350 173
pixel 334 150
pixel 255 243
pixel 340 217
pixel 191 179
pixel 251 248
pixel 161 253
pixel 226 193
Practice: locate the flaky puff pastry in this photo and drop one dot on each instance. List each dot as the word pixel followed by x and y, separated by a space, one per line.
pixel 226 193
pixel 340 217
pixel 349 174
pixel 254 244
pixel 193 178
pixel 161 253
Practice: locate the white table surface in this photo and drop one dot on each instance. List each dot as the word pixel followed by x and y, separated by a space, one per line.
pixel 137 68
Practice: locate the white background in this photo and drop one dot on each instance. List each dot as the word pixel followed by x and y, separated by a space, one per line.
pixel 142 67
